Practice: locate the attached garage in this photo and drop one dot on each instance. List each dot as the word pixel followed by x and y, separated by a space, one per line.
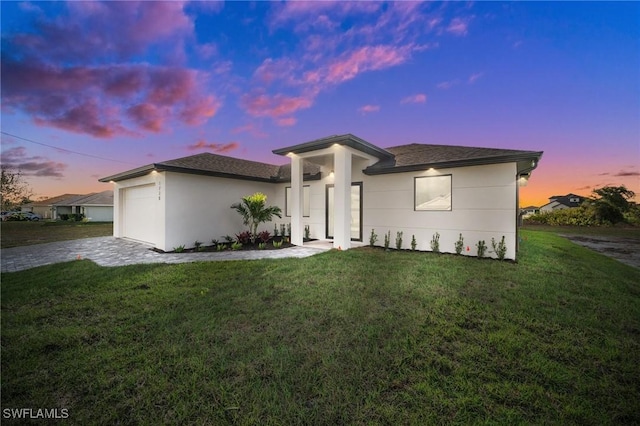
pixel 139 216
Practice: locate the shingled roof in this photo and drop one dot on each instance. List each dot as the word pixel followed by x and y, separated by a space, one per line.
pixel 403 158
pixel 220 166
pixel 415 157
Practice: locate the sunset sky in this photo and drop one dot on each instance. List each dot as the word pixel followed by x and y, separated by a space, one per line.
pixel 131 83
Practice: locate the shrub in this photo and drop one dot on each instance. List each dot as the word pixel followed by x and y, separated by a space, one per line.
pixel 277 244
pixel 236 246
pixel 244 237
pixel 262 245
pixel 399 240
pixel 373 238
pixel 228 239
pixel 254 212
pixel 288 229
pixel 214 242
pixel 459 244
pixel 264 236
pixel 221 247
pixel 414 243
pixel 275 229
pixel 500 249
pixel 178 249
pixel 307 232
pixel 197 244
pixel 482 248
pixel 283 229
pixel 435 243
pixel 387 240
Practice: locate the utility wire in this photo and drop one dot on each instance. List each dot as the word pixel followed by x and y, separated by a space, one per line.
pixel 64 149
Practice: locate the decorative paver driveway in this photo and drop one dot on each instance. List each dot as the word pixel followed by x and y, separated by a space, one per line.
pixel 110 251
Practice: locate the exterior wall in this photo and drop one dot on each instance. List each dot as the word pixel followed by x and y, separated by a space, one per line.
pixel 98 213
pixel 198 208
pixel 484 205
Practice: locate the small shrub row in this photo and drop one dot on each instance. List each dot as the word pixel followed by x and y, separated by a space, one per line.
pixel 499 247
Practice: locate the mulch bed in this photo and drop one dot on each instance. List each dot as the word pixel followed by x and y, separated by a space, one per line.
pixel 227 247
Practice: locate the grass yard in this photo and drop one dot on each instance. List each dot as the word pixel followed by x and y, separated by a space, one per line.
pixel 354 337
pixel 15 234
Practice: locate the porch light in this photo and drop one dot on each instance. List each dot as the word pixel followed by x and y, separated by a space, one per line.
pixel 331 173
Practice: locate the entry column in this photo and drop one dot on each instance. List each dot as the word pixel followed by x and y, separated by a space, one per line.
pixel 342 202
pixel 297 235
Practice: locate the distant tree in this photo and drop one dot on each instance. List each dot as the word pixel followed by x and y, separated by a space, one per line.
pixel 254 211
pixel 611 202
pixel 14 190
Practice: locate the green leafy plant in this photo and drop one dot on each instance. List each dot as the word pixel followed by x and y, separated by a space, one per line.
pixel 245 237
pixel 262 246
pixel 178 249
pixel 307 232
pixel 285 240
pixel 277 244
pixel 500 249
pixel 197 244
pixel 482 248
pixel 459 244
pixel 264 236
pixel 288 229
pixel 228 239
pixel 283 229
pixel 435 243
pixel 254 211
pixel 275 229
pixel 236 246
pixel 221 247
pixel 414 243
pixel 387 240
pixel 214 242
pixel 373 238
pixel 399 240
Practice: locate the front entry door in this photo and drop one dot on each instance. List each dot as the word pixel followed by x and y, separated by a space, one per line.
pixel 356 211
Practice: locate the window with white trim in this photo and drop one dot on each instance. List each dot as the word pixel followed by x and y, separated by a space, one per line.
pixel 306 208
pixel 432 193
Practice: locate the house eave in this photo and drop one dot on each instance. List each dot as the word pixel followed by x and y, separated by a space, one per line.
pixel 346 140
pixel 526 163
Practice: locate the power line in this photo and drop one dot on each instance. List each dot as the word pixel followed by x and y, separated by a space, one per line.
pixel 64 149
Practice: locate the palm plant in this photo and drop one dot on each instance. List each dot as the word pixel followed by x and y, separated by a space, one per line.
pixel 254 212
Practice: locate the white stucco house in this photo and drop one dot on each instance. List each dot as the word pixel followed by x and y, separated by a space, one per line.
pixel 342 187
pixel 96 207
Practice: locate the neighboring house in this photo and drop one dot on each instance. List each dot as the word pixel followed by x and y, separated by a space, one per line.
pixel 559 202
pixel 96 207
pixel 529 211
pixel 342 187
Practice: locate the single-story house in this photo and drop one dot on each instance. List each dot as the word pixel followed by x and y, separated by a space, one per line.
pixel 341 187
pixel 529 211
pixel 560 202
pixel 97 207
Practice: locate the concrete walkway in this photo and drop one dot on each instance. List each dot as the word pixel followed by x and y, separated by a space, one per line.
pixel 110 251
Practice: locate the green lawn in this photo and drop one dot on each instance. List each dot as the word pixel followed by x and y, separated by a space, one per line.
pixel 15 234
pixel 344 337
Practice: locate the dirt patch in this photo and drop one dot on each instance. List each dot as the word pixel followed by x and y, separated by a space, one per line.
pixel 623 249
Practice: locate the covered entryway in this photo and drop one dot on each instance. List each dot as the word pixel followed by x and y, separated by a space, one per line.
pixel 139 218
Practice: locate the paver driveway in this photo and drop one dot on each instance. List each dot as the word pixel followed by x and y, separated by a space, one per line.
pixel 110 251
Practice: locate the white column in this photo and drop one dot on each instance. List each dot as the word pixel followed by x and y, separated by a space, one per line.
pixel 342 202
pixel 297 228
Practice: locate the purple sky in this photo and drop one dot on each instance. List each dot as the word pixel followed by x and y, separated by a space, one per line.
pixel 136 82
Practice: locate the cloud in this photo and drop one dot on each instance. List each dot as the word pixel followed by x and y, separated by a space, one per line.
pixel 459 26
pixel 286 121
pixel 624 173
pixel 18 159
pixel 69 71
pixel 418 98
pixel 250 128
pixel 367 58
pixel 473 77
pixel 212 146
pixel 447 84
pixel 369 108
pixel 274 106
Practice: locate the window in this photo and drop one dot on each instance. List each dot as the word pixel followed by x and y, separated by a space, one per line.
pixel 433 193
pixel 305 201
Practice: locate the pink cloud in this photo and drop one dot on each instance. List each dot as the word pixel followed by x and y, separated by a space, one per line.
pixel 250 128
pixel 286 121
pixel 271 70
pixel 459 26
pixel 446 84
pixel 369 108
pixel 263 105
pixel 215 147
pixel 18 159
pixel 418 98
pixel 367 58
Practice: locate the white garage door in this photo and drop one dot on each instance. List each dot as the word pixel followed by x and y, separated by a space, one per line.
pixel 139 213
